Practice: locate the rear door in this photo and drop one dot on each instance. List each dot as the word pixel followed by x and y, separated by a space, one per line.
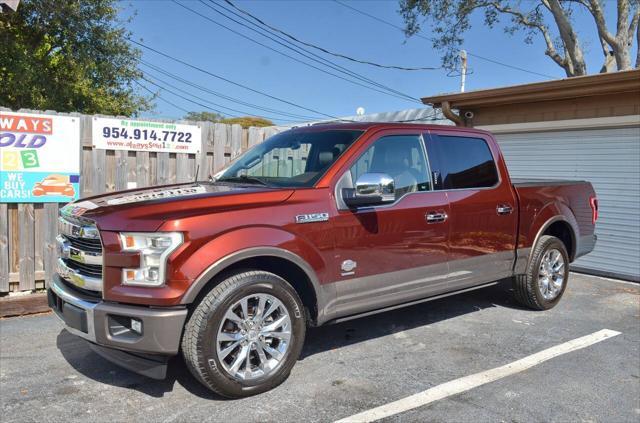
pixel 483 220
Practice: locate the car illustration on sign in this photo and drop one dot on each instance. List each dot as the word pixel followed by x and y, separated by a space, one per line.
pixel 54 185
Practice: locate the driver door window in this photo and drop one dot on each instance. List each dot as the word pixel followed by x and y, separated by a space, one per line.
pixel 400 156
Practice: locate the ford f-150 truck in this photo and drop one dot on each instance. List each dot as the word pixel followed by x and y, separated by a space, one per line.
pixel 314 225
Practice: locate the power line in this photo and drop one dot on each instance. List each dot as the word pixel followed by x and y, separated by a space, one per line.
pixel 159 81
pixel 199 69
pixel 401 95
pixel 185 98
pixel 429 39
pixel 391 92
pixel 510 66
pixel 343 56
pixel 156 95
pixel 218 94
pixel 298 49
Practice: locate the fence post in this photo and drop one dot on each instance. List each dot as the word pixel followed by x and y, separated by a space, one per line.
pixel 26 234
pixel 219 141
pixel 4 248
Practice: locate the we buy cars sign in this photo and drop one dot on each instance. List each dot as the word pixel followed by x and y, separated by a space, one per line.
pixel 39 158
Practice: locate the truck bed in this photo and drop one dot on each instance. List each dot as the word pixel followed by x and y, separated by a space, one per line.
pixel 542 199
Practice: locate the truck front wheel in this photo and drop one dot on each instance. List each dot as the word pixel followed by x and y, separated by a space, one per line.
pixel 547 274
pixel 245 335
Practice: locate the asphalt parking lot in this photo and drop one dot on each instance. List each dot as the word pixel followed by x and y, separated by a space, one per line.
pixel 46 374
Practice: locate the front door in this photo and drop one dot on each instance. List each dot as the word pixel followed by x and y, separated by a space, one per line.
pixel 393 253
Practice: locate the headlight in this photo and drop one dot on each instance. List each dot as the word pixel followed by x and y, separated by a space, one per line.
pixel 154 248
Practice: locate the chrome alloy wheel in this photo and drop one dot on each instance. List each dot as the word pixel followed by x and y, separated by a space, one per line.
pixel 551 274
pixel 253 337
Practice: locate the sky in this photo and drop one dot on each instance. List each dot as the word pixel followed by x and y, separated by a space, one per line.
pixel 179 33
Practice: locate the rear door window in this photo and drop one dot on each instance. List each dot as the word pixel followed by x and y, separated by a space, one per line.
pixel 461 162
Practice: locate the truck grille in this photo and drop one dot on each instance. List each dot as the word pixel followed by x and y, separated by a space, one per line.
pixel 85 269
pixel 79 254
pixel 92 245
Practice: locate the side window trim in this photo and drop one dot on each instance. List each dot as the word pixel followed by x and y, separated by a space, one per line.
pixel 439 160
pixel 434 157
pixel 427 164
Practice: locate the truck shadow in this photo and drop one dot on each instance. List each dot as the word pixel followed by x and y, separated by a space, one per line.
pixel 77 353
pixel 362 329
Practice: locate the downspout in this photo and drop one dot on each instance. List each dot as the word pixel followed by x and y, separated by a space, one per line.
pixel 448 113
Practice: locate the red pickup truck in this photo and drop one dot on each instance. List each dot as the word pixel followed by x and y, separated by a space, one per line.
pixel 315 225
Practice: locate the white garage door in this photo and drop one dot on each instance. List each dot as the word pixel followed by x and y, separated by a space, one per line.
pixel 610 160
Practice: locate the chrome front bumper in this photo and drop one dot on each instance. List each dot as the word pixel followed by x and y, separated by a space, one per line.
pixel 86 305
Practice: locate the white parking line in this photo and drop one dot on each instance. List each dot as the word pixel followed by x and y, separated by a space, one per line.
pixel 472 381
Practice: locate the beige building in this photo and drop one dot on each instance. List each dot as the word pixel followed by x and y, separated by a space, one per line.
pixel 578 128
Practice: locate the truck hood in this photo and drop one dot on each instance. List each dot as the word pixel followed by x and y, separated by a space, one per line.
pixel 147 209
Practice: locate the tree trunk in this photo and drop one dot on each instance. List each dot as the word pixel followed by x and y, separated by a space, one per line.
pixel 569 38
pixel 622 42
pixel 623 57
pixel 609 63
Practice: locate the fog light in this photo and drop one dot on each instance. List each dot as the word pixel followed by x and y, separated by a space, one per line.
pixel 136 326
pixel 124 328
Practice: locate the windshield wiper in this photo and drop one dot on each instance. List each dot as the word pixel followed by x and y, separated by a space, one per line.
pixel 244 179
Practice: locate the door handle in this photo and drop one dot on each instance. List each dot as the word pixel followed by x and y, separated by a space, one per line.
pixel 436 217
pixel 504 209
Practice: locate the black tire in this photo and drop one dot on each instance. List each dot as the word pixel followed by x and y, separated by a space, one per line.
pixel 525 287
pixel 200 334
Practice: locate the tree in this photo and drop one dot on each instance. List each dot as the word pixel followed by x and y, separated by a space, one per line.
pixel 549 19
pixel 247 121
pixel 68 56
pixel 244 121
pixel 203 117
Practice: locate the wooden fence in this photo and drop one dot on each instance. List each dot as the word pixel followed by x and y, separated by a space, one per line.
pixel 28 230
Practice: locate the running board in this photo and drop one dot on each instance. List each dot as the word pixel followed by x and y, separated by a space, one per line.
pixel 420 301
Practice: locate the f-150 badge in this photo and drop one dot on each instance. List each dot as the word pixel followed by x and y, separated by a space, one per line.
pixel 312 217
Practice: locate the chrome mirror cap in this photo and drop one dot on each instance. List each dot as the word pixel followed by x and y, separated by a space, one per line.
pixel 370 189
pixel 377 186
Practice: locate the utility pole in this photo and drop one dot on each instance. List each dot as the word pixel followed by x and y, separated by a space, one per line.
pixel 463 70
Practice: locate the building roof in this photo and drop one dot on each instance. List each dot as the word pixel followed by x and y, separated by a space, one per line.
pixel 581 86
pixel 421 115
pixel 366 126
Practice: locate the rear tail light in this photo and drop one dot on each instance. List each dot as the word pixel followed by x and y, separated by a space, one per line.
pixel 594 209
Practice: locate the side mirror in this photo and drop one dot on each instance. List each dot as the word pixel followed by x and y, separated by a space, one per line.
pixel 371 189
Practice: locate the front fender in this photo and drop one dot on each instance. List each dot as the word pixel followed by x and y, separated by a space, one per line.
pixel 234 246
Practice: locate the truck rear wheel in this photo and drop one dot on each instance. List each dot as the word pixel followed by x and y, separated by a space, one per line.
pixel 246 334
pixel 545 281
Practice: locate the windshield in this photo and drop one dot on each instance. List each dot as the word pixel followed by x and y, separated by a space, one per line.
pixel 289 159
